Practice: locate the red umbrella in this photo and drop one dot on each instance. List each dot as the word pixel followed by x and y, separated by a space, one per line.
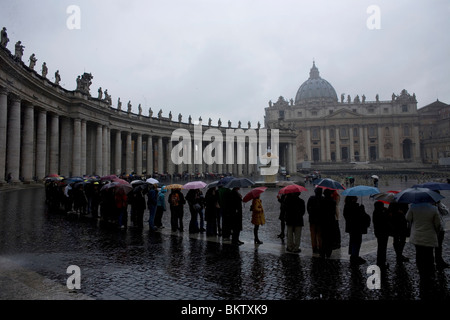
pixel 292 189
pixel 121 181
pixel 254 193
pixel 108 178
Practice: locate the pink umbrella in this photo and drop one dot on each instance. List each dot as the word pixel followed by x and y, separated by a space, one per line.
pixel 292 189
pixel 121 181
pixel 254 193
pixel 194 185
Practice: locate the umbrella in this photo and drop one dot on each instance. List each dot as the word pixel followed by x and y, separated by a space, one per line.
pixel 239 183
pixel 360 191
pixel 292 189
pixel 375 176
pixel 418 195
pixel 385 197
pixel 135 183
pixel 213 184
pixel 328 183
pixel 116 185
pixel 108 178
pixel 194 185
pixel 285 183
pixel 174 186
pixel 152 181
pixel 121 181
pixel 254 193
pixel 224 181
pixel 433 185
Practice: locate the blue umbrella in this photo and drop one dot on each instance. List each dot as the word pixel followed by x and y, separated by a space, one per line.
pixel 328 183
pixel 224 181
pixel 360 191
pixel 433 185
pixel 418 195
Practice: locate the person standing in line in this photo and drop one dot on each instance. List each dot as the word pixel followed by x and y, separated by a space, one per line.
pixel 425 227
pixel 443 211
pixel 176 202
pixel 258 218
pixel 160 207
pixel 211 211
pixel 314 212
pixel 282 216
pixel 235 204
pixel 381 226
pixel 152 197
pixel 121 201
pixel 337 231
pixel 137 206
pixel 192 201
pixel 356 223
pixel 327 223
pixel 295 210
pixel 225 231
pixel 400 229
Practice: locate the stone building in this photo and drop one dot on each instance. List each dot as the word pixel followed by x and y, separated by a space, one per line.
pixel 47 129
pixel 346 130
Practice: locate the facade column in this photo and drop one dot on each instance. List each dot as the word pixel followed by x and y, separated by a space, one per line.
pixel 54 145
pixel 99 151
pixel 352 145
pixel 3 131
pixel 27 143
pixel 76 154
pixel 380 143
pixel 118 154
pixel 396 145
pixel 322 145
pixel 366 143
pixel 308 144
pixel 65 155
pixel 328 145
pixel 362 154
pixel 149 156
pixel 83 168
pixel 129 154
pixel 416 141
pixel 338 145
pixel 108 151
pixel 160 156
pixel 13 138
pixel 139 154
pixel 41 145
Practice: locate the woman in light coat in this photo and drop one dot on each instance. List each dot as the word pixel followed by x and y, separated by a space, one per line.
pixel 425 227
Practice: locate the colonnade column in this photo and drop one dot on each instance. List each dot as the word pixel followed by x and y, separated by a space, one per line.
pixel 129 154
pixel 160 156
pixel 83 168
pixel 76 159
pixel 28 143
pixel 149 155
pixel 118 154
pixel 13 138
pixel 54 145
pixel 65 156
pixel 41 144
pixel 105 153
pixel 139 154
pixel 3 131
pixel 99 151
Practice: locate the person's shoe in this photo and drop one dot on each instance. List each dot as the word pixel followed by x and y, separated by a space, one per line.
pixel 281 236
pixel 257 241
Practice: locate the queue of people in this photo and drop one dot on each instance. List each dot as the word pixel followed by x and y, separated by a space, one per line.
pixel 220 213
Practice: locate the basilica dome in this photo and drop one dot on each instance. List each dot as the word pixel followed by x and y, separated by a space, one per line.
pixel 315 89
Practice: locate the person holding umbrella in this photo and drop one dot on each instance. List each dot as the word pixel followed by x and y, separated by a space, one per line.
pixel 258 217
pixel 235 209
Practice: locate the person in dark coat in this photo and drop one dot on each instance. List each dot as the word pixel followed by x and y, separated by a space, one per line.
pixel 326 221
pixel 314 212
pixel 152 199
pixel 400 228
pixel 176 204
pixel 282 216
pixel 234 200
pixel 211 211
pixel 356 223
pixel 295 210
pixel 137 202
pixel 382 230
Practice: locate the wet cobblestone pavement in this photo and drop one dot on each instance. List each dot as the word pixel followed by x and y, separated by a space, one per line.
pixel 37 246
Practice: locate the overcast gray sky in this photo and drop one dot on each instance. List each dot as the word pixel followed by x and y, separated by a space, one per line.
pixel 227 58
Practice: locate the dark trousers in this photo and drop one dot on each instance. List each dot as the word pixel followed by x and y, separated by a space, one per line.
pixel 399 244
pixel 354 245
pixel 382 242
pixel 158 216
pixel 425 260
pixel 438 250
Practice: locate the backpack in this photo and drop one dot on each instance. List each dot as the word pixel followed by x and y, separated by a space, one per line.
pixel 174 199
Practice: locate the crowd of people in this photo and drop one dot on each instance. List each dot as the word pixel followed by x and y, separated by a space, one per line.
pixel 219 213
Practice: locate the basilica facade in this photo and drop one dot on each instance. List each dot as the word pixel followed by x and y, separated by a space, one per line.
pixel 336 130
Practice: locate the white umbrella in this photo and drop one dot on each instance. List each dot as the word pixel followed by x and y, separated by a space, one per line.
pixel 375 176
pixel 152 181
